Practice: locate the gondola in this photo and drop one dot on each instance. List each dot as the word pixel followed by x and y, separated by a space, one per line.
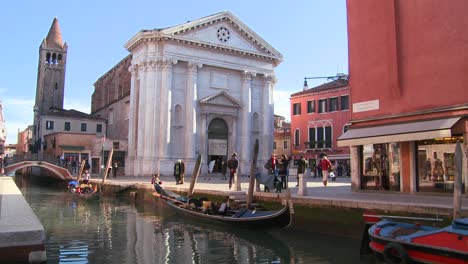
pixel 223 214
pixel 402 242
pixel 82 190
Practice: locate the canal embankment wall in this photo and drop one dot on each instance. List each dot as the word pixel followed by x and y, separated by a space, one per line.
pixel 332 209
pixel 22 235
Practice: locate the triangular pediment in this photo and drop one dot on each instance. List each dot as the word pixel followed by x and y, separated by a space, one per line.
pixel 220 99
pixel 225 31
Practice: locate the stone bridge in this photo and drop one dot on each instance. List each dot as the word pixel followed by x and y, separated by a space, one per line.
pixel 56 171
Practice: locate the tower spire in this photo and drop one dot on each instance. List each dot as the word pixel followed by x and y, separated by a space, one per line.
pixel 54 37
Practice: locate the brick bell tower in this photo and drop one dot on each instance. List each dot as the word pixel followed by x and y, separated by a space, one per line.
pixel 51 72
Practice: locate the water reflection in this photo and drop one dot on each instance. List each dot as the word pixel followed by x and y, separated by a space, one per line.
pixel 111 230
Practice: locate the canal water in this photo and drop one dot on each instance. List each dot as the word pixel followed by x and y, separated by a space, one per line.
pixel 115 230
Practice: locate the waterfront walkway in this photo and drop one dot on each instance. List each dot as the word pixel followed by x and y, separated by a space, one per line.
pixel 335 194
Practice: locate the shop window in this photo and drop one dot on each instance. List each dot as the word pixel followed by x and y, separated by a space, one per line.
pixel 436 164
pixel 322 104
pixel 311 106
pixel 381 166
pixel 297 109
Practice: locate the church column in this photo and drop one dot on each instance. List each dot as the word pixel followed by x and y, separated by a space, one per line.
pixel 267 124
pixel 245 142
pixel 141 113
pixel 190 112
pixel 166 105
pixel 132 115
pixel 204 142
pixel 149 100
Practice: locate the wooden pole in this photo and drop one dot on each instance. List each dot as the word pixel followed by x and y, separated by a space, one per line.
pixel 193 180
pixel 457 184
pixel 109 162
pixel 253 169
pixel 83 162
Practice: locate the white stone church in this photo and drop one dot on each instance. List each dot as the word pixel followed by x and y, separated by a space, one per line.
pixel 202 87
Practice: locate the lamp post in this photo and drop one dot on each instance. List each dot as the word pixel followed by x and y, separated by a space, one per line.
pixel 335 77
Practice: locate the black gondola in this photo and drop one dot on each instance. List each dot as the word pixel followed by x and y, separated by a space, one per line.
pixel 245 218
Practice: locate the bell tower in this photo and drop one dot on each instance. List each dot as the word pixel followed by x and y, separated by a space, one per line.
pixel 51 72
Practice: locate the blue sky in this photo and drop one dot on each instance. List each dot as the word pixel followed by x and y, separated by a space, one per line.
pixel 311 35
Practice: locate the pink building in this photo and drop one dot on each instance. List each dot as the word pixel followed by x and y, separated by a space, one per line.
pixel 408 73
pixel 319 115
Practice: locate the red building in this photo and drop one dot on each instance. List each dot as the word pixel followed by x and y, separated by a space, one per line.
pixel 408 65
pixel 319 115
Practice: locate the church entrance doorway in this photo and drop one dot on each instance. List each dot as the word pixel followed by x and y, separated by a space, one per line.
pixel 217 145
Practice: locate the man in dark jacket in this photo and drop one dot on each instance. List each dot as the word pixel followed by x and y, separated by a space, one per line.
pixel 233 164
pixel 301 167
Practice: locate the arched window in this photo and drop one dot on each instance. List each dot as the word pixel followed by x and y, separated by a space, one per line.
pixel 296 138
pixel 59 58
pixel 54 58
pixel 48 57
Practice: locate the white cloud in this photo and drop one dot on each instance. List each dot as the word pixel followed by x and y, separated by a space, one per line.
pixel 79 106
pixel 282 103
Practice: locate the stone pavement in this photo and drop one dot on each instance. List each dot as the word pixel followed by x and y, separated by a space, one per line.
pixel 335 194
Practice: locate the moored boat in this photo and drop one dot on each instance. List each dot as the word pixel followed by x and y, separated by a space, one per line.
pixel 403 242
pixel 222 213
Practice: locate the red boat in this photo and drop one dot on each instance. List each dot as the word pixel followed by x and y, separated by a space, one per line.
pixel 399 242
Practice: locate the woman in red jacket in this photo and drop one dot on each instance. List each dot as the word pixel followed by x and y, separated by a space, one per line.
pixel 326 166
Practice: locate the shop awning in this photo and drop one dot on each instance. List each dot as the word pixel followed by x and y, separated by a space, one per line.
pixel 412 131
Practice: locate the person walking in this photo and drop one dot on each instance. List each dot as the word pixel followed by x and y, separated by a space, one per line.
pixel 115 167
pixel 179 169
pixel 326 166
pixel 284 171
pixel 301 168
pixel 73 163
pixel 233 164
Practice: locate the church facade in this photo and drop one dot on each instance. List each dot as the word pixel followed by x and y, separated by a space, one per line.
pixel 203 87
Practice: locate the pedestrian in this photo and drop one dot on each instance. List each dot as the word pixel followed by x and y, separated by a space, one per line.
pixel 179 169
pixel 326 167
pixel 339 169
pixel 233 164
pixel 272 166
pixel 301 168
pixel 284 171
pixel 223 169
pixel 182 174
pixel 73 163
pixel 86 177
pixel 115 167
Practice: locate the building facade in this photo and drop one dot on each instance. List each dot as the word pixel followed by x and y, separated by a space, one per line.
pixel 204 87
pixel 407 62
pixel 319 115
pixel 282 143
